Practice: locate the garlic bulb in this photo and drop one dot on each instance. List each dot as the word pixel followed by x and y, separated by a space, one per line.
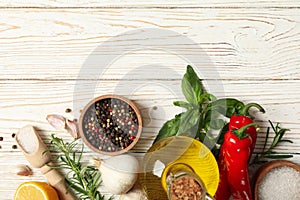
pixel 119 173
pixel 136 193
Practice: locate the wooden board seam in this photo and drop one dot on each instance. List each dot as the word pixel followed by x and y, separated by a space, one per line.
pixel 150 7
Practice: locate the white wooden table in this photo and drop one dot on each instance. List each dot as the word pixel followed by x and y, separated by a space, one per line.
pixel 249 50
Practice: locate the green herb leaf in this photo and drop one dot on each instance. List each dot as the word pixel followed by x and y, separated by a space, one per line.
pixel 195 82
pixel 212 120
pixel 270 153
pixel 170 128
pixel 182 104
pixel 217 124
pixel 227 106
pixel 187 121
pixel 206 97
pixel 188 90
pixel 289 141
pixel 192 87
pixel 83 180
pixel 222 133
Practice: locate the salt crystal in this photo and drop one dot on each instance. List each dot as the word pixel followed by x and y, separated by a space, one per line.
pixel 279 184
pixel 27 141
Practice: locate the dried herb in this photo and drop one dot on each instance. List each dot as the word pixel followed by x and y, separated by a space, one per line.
pixel 84 180
pixel 270 153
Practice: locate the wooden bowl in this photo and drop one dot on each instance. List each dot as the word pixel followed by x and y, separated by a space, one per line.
pixel 267 168
pixel 88 109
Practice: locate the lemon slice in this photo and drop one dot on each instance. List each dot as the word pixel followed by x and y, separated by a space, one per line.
pixel 35 191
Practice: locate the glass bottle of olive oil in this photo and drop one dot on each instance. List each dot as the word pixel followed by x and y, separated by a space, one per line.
pixel 172 158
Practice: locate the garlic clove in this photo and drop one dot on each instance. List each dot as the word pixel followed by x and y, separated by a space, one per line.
pixel 57 121
pixel 23 170
pixel 72 128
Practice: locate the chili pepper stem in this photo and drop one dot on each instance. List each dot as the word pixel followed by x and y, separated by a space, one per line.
pixel 240 133
pixel 246 108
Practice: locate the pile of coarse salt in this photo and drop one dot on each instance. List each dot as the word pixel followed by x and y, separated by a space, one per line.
pixel 27 142
pixel 279 184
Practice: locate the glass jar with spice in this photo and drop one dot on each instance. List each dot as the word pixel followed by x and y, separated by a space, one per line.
pixel 183 183
pixel 178 167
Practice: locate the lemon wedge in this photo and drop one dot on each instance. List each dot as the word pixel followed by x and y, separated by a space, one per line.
pixel 35 191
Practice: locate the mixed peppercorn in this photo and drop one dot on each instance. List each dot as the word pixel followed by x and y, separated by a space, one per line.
pixel 110 125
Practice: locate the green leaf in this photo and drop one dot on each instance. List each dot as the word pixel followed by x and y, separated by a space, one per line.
pixel 213 121
pixel 217 124
pixel 266 139
pixel 83 180
pixel 227 106
pixel 188 90
pixel 281 132
pixel 201 135
pixel 170 128
pixel 75 187
pixel 222 133
pixel 289 141
pixel 270 153
pixel 195 82
pixel 182 104
pixel 206 97
pixel 187 121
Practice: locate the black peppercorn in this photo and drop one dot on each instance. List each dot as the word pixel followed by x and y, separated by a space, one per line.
pixel 110 124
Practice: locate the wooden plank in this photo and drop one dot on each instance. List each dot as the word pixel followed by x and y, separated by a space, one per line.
pixel 28 102
pixel 10 181
pixel 221 43
pixel 144 3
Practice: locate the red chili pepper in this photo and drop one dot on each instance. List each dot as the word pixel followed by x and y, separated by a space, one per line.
pixel 223 192
pixel 237 150
pixel 238 121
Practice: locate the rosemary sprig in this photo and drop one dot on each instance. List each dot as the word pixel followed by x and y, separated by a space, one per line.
pixel 83 180
pixel 270 153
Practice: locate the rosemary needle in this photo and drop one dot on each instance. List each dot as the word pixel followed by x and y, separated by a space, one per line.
pixel 84 180
pixel 270 153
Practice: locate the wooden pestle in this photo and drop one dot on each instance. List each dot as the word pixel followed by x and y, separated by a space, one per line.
pixel 40 158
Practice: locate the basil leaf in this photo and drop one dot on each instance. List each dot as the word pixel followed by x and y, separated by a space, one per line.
pixel 212 120
pixel 187 121
pixel 207 97
pixel 222 133
pixel 216 124
pixel 227 106
pixel 188 90
pixel 195 81
pixel 182 104
pixel 170 128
